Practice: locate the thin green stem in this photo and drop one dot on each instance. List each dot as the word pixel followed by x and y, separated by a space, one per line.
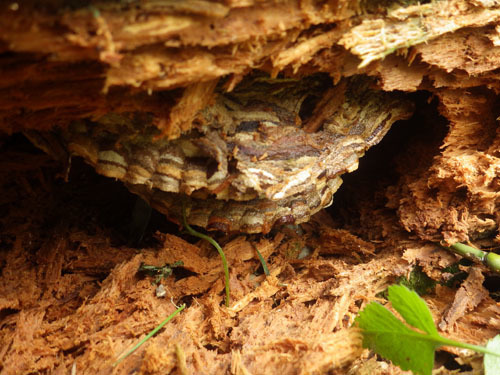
pixel 468 251
pixel 490 259
pixel 150 334
pixel 214 244
pixel 436 339
pixel 263 261
pixel 464 345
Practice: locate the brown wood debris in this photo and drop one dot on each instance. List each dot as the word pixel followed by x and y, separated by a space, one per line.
pixel 72 299
pixel 65 61
pixel 470 294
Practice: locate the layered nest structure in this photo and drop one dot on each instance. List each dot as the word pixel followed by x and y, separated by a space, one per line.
pixel 250 116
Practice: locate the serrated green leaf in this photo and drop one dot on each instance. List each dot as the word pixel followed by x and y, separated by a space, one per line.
pixel 405 347
pixel 412 308
pixel 492 362
pixel 393 340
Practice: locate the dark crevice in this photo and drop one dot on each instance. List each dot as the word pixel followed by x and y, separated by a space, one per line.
pixel 409 147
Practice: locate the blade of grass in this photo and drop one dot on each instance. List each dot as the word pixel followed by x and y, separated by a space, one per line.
pixel 263 261
pixel 214 244
pixel 150 334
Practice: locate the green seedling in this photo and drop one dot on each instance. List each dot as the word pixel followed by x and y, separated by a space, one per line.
pixel 411 346
pixel 263 261
pixel 214 243
pixel 160 272
pixel 150 334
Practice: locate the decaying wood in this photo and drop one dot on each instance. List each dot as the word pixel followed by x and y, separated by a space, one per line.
pixel 249 163
pixel 470 294
pixel 65 62
pixel 107 76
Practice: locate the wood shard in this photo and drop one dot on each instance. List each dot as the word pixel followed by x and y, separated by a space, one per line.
pixel 468 296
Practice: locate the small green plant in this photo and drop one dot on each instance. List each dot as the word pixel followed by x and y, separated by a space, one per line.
pixel 214 243
pixel 160 272
pixel 262 261
pixel 411 346
pixel 150 334
pixel 417 280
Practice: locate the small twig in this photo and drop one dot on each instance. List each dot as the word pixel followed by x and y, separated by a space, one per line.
pixel 150 334
pixel 214 244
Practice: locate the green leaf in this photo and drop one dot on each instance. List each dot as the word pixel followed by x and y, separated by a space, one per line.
pixel 492 362
pixel 389 337
pixel 412 308
pixel 412 349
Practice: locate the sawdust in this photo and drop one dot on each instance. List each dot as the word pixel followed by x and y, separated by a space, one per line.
pixel 71 297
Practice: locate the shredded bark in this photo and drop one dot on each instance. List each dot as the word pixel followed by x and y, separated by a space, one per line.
pixel 470 294
pixel 72 299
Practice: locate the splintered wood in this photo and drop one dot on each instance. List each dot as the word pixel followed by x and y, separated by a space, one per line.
pixel 72 299
pixel 57 304
pixel 64 62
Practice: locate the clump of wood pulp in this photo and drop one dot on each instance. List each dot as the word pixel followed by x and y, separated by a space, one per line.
pixel 70 293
